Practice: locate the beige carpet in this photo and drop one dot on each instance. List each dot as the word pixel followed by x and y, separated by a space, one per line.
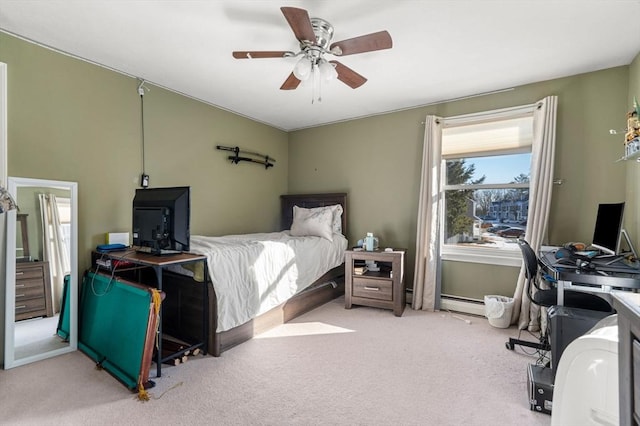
pixel 37 335
pixel 332 366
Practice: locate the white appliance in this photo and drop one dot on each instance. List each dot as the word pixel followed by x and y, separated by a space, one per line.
pixel 586 384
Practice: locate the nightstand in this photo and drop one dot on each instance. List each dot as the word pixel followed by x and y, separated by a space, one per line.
pixel 379 289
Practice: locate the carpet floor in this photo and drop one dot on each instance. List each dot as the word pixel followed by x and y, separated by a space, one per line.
pixel 331 366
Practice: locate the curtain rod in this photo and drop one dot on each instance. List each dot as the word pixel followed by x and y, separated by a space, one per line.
pixel 515 109
pixel 491 113
pixel 462 98
pixel 474 117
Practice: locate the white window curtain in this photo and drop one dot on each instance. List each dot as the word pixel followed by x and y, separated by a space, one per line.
pixel 426 292
pixel 542 161
pixel 426 287
pixel 55 250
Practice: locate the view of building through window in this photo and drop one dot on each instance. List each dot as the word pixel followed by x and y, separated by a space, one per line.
pixel 486 200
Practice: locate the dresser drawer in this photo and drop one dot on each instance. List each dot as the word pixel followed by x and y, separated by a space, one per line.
pixel 29 306
pixel 31 292
pixel 29 283
pixel 29 273
pixel 373 289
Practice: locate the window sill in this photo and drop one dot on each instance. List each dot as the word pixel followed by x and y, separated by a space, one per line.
pixel 487 256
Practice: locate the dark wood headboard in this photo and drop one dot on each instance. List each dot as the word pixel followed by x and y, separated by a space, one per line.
pixel 309 201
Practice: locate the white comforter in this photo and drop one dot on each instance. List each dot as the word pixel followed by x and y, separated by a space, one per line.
pixel 253 273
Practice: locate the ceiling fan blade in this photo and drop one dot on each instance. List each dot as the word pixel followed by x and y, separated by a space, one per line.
pixel 290 83
pixel 348 76
pixel 366 43
pixel 242 54
pixel 300 23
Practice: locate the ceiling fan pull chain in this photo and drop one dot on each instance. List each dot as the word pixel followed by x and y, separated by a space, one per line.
pixel 319 78
pixel 314 82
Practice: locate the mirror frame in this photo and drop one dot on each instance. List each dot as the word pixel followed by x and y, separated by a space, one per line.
pixel 3 171
pixel 10 293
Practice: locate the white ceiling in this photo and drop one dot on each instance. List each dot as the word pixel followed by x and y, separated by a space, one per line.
pixel 442 49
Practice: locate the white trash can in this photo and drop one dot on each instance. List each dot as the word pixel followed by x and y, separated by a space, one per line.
pixel 498 310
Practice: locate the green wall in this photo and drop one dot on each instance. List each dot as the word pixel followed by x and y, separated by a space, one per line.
pixel 632 206
pixel 70 120
pixel 475 280
pixel 73 121
pixel 377 160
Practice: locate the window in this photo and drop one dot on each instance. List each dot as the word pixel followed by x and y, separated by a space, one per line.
pixel 64 213
pixel 486 167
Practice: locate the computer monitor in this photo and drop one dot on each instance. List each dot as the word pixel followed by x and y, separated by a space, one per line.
pixel 161 218
pixel 608 229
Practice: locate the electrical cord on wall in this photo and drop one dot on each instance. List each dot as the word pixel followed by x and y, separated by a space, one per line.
pixel 144 178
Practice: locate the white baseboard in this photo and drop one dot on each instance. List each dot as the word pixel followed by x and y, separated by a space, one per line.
pixel 462 306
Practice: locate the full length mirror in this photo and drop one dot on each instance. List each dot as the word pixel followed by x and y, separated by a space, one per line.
pixel 41 282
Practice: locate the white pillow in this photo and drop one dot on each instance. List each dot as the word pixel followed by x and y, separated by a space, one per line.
pixel 312 222
pixel 336 211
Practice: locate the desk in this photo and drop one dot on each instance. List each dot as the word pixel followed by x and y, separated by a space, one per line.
pixel 601 281
pixel 158 264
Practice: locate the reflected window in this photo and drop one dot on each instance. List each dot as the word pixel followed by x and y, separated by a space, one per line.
pixel 64 213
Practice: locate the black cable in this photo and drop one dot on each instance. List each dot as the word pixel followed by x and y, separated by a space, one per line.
pixel 142 121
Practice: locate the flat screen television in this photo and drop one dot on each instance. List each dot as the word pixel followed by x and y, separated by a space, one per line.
pixel 161 218
pixel 608 229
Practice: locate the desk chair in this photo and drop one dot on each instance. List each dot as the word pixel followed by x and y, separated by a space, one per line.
pixel 549 297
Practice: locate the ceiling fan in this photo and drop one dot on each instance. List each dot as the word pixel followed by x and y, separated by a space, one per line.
pixel 314 35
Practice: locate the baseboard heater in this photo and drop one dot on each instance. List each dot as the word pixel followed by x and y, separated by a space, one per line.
pixel 457 304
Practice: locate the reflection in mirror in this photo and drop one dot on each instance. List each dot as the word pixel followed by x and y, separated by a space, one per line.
pixel 41 282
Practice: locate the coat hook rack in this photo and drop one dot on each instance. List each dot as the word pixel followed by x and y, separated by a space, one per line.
pixel 265 160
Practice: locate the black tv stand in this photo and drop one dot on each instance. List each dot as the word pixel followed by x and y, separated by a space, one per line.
pixel 156 252
pixel 159 264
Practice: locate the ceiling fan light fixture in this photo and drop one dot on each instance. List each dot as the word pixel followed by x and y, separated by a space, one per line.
pixel 327 71
pixel 303 69
pixel 315 36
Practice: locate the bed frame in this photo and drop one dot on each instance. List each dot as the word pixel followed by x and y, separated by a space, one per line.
pixel 189 312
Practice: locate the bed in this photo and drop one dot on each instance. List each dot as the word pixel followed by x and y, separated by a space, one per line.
pixel 306 284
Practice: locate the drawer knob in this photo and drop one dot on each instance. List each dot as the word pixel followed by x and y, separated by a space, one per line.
pixel 21 307
pixel 366 287
pixel 20 295
pixel 20 273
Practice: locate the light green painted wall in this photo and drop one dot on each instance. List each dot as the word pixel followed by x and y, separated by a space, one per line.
pixel 477 280
pixel 377 161
pixel 632 207
pixel 74 121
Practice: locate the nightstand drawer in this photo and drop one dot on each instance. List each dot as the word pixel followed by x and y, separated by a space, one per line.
pixel 373 289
